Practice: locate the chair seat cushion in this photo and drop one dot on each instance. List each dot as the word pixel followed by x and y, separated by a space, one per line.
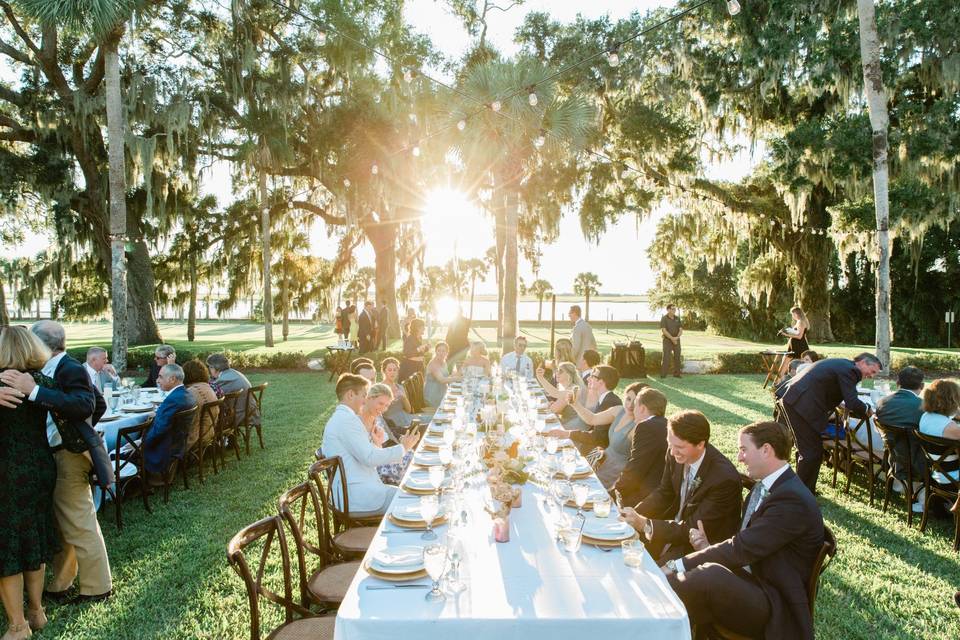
pixel 305 629
pixel 355 540
pixel 330 584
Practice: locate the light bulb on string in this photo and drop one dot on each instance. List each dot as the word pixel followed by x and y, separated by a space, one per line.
pixel 461 125
pixel 733 7
pixel 408 76
pixel 374 169
pixel 346 182
pixel 415 151
pixel 289 204
pixel 533 99
pixel 540 140
pixel 322 37
pixel 413 118
pixel 613 58
pixel 496 106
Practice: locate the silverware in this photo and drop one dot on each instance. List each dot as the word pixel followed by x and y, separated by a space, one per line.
pixel 379 587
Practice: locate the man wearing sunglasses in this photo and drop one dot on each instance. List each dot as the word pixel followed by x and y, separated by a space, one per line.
pixel 164 355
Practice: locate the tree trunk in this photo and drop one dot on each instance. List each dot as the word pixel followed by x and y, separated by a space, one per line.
pixel 510 270
pixel 587 305
pixel 879 123
pixel 540 309
pixel 285 301
pixel 118 205
pixel 810 273
pixel 265 240
pixel 383 239
pixel 192 312
pixel 4 318
pixel 473 288
pixel 141 322
pixel 499 215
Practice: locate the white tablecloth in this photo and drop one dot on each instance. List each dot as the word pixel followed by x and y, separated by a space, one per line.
pixel 526 588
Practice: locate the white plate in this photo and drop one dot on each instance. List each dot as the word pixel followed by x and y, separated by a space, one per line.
pixel 605 529
pixel 422 481
pixel 398 559
pixel 409 511
pixel 136 408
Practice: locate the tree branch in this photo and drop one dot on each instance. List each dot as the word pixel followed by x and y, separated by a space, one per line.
pixel 320 211
pixel 12 19
pixel 89 86
pixel 16 54
pixel 11 96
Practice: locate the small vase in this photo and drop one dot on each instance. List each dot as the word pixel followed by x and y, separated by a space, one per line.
pixel 501 529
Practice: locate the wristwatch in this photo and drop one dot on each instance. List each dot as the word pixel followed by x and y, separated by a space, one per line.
pixel 674 566
pixel 648 529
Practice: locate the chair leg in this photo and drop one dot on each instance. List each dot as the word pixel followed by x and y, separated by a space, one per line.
pixel 145 489
pixel 182 468
pixel 887 486
pixel 926 510
pixel 260 436
pixel 117 503
pixel 246 439
pixel 836 466
pixel 908 495
pixel 873 481
pixel 956 530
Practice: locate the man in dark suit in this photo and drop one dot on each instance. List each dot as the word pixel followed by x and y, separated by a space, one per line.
pixel 602 383
pixel 755 582
pixel 161 440
pixel 813 396
pixel 458 337
pixel 164 354
pixel 75 407
pixel 348 310
pixel 698 485
pixel 367 328
pixel 383 325
pixel 902 411
pixel 648 449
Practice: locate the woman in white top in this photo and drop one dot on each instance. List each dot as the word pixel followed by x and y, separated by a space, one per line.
pixel 347 437
pixel 476 363
pixel 941 405
pixel 378 399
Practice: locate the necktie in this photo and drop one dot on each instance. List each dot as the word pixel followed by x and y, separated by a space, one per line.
pixel 518 364
pixel 684 488
pixel 756 495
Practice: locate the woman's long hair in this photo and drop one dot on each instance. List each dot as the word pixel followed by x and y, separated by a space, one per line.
pixel 20 349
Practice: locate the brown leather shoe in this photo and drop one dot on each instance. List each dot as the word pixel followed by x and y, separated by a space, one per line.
pixel 85 599
pixel 60 597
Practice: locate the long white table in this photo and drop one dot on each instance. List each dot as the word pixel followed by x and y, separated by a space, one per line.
pixel 525 588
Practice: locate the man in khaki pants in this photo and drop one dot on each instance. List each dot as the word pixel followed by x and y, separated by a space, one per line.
pixel 74 406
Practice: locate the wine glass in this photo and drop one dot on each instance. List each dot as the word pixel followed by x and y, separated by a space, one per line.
pixel 449 435
pixel 552 444
pixel 456 550
pixel 446 455
pixel 580 493
pixel 435 474
pixel 429 508
pixel 434 561
pixel 568 464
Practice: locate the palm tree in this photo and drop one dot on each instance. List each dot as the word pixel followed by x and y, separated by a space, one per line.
pixel 105 20
pixel 474 268
pixel 540 288
pixel 502 146
pixel 586 284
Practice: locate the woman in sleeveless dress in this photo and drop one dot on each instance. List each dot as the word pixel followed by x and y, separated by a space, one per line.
pixel 797 338
pixel 438 376
pixel 476 364
pixel 28 474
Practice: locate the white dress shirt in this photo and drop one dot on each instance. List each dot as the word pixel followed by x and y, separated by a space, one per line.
pixel 53 435
pixel 520 363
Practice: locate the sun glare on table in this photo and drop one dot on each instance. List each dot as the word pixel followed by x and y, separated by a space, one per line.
pixel 453 222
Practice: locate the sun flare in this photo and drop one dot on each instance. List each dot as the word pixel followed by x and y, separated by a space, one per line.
pixel 452 222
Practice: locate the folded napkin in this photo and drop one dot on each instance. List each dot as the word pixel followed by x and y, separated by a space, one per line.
pixel 400 557
pixel 607 529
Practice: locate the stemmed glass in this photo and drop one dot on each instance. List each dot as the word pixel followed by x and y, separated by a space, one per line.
pixel 435 560
pixel 455 553
pixel 568 464
pixel 446 455
pixel 580 493
pixel 429 508
pixel 552 444
pixel 449 435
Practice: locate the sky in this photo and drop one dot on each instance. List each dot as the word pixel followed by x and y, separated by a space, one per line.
pixel 467 233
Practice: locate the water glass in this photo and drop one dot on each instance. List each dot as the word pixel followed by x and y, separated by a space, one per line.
pixel 552 444
pixel 632 553
pixel 435 561
pixel 570 538
pixel 446 455
pixel 580 493
pixel 601 506
pixel 456 551
pixel 429 508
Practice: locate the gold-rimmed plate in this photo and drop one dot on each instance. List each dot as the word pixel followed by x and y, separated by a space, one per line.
pixel 597 542
pixel 394 577
pixel 415 524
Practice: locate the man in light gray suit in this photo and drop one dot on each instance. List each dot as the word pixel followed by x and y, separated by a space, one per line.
pixel 100 370
pixel 582 335
pixel 229 380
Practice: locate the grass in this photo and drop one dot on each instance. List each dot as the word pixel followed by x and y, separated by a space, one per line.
pixel 172 580
pixel 312 339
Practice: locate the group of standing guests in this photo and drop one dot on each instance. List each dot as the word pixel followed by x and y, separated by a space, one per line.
pixel 368 327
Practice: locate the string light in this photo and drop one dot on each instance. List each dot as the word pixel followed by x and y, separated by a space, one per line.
pixel 613 58
pixel 408 76
pixel 416 151
pixel 532 98
pixel 461 125
pixel 413 118
pixel 496 106
pixel 346 182
pixel 374 169
pixel 733 6
pixel 540 140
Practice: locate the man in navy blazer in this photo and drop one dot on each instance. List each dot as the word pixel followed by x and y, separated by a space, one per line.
pixel 162 442
pixel 813 395
pixel 755 583
pixel 902 411
pixel 648 449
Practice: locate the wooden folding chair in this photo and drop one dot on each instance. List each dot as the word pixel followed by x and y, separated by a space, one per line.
pixel 227 434
pixel 182 423
pixel 264 533
pixel 942 479
pixel 253 405
pixel 128 466
pixel 861 453
pixel 891 469
pixel 326 583
pixel 206 438
pixel 352 533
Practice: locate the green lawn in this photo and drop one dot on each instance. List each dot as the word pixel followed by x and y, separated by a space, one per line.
pixel 173 581
pixel 312 339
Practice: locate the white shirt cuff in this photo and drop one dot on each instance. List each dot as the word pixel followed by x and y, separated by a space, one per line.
pixel 33 394
pixel 678 565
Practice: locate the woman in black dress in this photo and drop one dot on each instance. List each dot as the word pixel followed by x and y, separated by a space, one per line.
pixel 797 334
pixel 413 350
pixel 28 474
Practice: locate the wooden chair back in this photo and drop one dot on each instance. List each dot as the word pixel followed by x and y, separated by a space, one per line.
pixel 254 401
pixel 891 463
pixel 268 531
pixel 209 418
pixel 301 508
pixel 229 415
pixel 326 473
pixel 827 553
pixel 182 424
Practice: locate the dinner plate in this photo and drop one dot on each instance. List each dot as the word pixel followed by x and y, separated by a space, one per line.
pixel 398 560
pixel 409 511
pixel 606 529
pixel 416 483
pixel 594 494
pixel 393 577
pixel 136 408
pixel 415 524
pixel 427 459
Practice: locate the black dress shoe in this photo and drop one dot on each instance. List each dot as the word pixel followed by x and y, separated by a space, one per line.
pixel 84 599
pixel 60 597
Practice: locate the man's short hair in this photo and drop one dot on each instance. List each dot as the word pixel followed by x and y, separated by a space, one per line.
pixel 51 334
pixel 591 357
pixel 910 378
pixel 174 371
pixel 218 361
pixel 388 361
pixel 813 355
pixel 575 308
pixel 350 382
pixel 361 363
pixel 164 351
pixel 869 358
pixel 609 375
pixel 654 400
pixel 690 426
pixel 671 306
pixel 95 351
pixel 778 436
pixel 519 338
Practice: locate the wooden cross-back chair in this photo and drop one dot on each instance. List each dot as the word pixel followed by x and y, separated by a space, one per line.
pixel 891 469
pixel 253 405
pixel 941 479
pixel 227 434
pixel 182 422
pixel 351 533
pixel 128 466
pixel 206 443
pixel 270 531
pixel 862 452
pixel 324 582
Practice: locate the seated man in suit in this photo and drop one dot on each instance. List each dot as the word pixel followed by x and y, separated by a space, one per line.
pixel 902 410
pixel 100 370
pixel 162 441
pixel 602 383
pixel 699 485
pixel 164 354
pixel 648 448
pixel 228 380
pixel 811 399
pixel 755 582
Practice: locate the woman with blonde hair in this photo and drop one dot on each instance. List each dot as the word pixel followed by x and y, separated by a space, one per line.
pixel 476 363
pixel 379 398
pixel 797 338
pixel 438 376
pixel 569 385
pixel 28 474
